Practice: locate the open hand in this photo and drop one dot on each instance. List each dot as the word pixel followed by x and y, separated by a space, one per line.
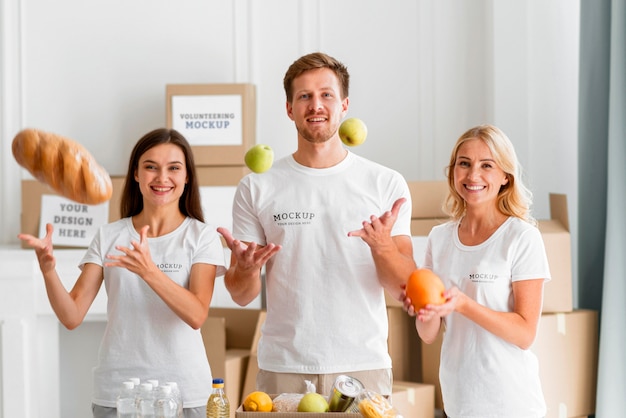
pixel 43 248
pixel 249 256
pixel 378 230
pixel 135 258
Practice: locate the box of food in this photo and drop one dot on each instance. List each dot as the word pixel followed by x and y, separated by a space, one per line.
pixel 240 413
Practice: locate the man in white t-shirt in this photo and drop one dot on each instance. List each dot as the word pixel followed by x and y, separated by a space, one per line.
pixel 333 230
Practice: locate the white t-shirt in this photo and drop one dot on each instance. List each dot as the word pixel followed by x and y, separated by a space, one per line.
pixel 144 338
pixel 326 311
pixel 481 375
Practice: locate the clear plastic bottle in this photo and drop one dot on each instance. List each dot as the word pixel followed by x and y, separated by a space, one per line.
pixel 218 406
pixel 165 405
pixel 179 398
pixel 125 402
pixel 145 401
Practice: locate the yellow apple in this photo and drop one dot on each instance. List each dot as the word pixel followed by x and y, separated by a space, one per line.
pixel 313 402
pixel 353 132
pixel 259 158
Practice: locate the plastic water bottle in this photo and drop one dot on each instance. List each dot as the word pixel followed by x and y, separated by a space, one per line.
pixel 165 406
pixel 179 398
pixel 125 402
pixel 145 401
pixel 218 406
pixel 155 384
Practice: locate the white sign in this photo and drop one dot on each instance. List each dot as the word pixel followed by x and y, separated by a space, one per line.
pixel 74 224
pixel 209 119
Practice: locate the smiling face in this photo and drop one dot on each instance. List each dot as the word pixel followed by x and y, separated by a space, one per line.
pixel 477 177
pixel 317 107
pixel 162 175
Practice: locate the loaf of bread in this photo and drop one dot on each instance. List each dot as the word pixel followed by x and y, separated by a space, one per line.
pixel 64 165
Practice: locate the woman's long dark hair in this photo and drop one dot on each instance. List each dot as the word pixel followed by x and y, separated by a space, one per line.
pixel 132 199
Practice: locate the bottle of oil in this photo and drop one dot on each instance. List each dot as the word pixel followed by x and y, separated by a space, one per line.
pixel 218 406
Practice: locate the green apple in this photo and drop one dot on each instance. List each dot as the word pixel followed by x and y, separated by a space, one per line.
pixel 259 158
pixel 313 402
pixel 352 131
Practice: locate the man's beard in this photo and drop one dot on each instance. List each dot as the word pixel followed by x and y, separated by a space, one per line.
pixel 315 137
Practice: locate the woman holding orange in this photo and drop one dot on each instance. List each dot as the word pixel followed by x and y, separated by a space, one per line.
pixel 492 261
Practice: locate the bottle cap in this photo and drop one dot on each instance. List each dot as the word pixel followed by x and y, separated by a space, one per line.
pixel 218 380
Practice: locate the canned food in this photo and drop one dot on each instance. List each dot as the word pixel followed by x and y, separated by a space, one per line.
pixel 343 393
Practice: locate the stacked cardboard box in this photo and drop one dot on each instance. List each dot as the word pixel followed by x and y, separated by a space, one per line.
pixel 219 155
pixel 567 340
pixel 206 122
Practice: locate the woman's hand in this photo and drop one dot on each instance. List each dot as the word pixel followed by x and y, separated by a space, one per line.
pixel 43 249
pixel 136 258
pixel 430 311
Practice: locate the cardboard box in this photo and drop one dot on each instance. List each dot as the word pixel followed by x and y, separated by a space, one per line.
pixel 428 198
pixel 211 122
pixel 32 190
pixel 558 293
pixel 430 366
pixel 567 350
pixel 227 175
pixel 414 400
pixel 228 334
pixel 249 385
pixel 403 345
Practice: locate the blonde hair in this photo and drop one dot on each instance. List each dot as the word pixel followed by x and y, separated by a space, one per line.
pixel 514 198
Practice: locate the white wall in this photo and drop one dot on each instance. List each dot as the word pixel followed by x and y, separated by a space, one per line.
pixel 423 71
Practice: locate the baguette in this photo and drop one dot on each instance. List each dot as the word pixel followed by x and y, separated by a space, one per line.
pixel 64 165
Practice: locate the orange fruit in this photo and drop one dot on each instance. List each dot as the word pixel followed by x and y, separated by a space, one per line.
pixel 258 402
pixel 425 287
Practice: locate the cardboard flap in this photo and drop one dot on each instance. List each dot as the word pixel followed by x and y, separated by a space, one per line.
pixel 257 333
pixel 558 209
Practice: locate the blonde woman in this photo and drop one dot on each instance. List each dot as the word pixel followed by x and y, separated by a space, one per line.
pixel 492 260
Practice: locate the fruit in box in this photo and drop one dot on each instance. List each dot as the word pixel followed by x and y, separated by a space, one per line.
pixel 258 402
pixel 313 402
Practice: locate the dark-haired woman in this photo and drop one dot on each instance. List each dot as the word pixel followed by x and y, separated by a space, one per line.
pixel 158 264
